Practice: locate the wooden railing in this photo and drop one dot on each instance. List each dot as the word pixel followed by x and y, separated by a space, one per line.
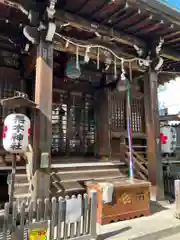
pixel 140 161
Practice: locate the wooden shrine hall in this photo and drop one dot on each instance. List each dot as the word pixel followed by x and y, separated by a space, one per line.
pixel 71 59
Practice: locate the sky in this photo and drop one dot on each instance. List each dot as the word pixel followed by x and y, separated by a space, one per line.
pixel 169 96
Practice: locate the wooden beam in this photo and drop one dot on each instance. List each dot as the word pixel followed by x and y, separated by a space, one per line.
pixel 171 117
pixel 92 26
pixel 153 136
pixel 163 10
pixel 60 85
pixel 78 22
pixel 170 54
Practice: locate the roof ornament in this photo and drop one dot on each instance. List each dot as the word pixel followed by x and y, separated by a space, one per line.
pixel 157 60
pixel 152 57
pixel 144 63
pixel 138 50
pixel 51 9
pixel 159 46
pixel 44 27
pixel 51 26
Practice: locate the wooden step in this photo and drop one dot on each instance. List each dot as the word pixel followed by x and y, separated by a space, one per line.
pixel 140 165
pixel 66 188
pixel 139 146
pixel 141 152
pixel 58 187
pixel 22 196
pixel 21 184
pixel 69 178
pixel 72 187
pixel 22 188
pixel 21 178
pixel 86 165
pixel 85 175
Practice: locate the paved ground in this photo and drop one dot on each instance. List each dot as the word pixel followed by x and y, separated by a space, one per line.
pixel 160 225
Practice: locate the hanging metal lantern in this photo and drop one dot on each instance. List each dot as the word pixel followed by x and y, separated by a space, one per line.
pixel 122 83
pixel 121 86
pixel 72 70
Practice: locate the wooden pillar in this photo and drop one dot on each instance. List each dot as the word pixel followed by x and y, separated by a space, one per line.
pixel 155 173
pixel 103 124
pixel 43 125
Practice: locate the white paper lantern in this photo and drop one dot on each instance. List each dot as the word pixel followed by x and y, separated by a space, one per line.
pixel 168 138
pixel 16 131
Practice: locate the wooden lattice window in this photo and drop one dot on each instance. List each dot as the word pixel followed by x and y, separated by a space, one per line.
pixel 73 125
pixel 59 124
pixel 137 117
pixel 117 106
pixel 89 124
pixel 10 82
pixel 118 113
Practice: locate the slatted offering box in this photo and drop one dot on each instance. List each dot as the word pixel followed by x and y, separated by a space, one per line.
pixel 129 200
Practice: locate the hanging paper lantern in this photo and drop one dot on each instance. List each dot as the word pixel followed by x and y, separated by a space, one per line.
pixel 164 138
pixel 16 131
pixel 168 139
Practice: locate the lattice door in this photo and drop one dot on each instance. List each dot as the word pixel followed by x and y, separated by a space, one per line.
pixel 137 117
pixel 73 125
pixel 117 106
pixel 118 113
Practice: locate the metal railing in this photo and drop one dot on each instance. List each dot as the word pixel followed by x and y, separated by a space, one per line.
pixel 58 219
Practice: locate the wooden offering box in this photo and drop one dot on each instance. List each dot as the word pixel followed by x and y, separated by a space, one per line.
pixel 130 200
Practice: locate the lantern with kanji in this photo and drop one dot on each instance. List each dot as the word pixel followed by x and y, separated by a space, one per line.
pixel 16 132
pixel 168 139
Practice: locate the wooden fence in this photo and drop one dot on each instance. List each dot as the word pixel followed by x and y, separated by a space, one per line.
pixel 58 219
